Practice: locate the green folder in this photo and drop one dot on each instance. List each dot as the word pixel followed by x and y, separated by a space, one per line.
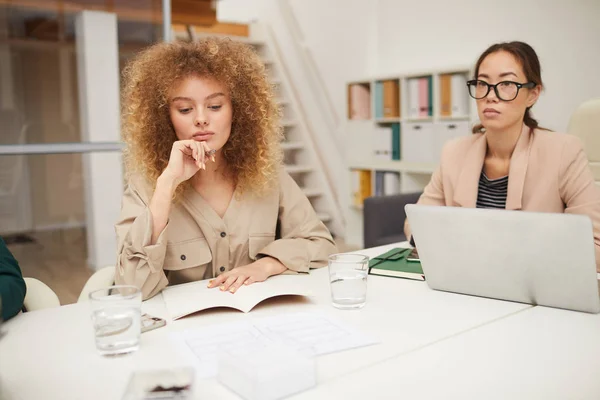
pixel 396 141
pixel 430 94
pixel 394 263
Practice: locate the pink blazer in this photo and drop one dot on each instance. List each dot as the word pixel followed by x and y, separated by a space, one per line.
pixel 549 172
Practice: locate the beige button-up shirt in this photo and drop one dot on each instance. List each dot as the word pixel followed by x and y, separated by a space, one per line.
pixel 197 244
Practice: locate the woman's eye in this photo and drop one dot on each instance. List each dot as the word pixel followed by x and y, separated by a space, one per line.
pixel 185 110
pixel 215 107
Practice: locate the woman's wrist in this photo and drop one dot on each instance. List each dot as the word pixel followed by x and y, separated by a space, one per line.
pixel 273 266
pixel 166 183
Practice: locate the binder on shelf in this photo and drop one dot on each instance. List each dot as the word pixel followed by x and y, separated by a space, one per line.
pixel 459 95
pixel 430 95
pixel 379 101
pixel 379 183
pixel 391 98
pixel 365 185
pixel 355 187
pixel 360 101
pixel 413 98
pixel 382 143
pixel 423 97
pixel 445 95
pixel 391 183
pixel 396 141
pixel 361 186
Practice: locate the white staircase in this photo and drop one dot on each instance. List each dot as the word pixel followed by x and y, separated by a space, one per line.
pixel 300 156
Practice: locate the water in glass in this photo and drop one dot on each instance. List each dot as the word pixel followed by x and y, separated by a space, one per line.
pixel 348 278
pixel 116 318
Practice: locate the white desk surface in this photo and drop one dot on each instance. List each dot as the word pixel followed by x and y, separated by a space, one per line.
pixel 50 354
pixel 537 354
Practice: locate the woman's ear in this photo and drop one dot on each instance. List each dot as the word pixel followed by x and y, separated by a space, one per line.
pixel 534 95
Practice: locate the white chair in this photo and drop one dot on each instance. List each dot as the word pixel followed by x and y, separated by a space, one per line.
pixel 102 278
pixel 585 124
pixel 39 296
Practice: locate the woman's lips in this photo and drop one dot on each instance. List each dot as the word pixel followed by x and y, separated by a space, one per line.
pixel 202 136
pixel 490 112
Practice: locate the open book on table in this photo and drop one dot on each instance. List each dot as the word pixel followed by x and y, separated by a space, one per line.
pixel 188 298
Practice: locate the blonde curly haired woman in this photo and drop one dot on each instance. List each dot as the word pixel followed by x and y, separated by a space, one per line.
pixel 207 196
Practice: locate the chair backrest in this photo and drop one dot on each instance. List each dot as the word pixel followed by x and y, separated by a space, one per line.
pixel 39 296
pixel 102 278
pixel 585 124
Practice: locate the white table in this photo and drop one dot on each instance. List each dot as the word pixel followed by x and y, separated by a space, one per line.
pixel 538 353
pixel 50 354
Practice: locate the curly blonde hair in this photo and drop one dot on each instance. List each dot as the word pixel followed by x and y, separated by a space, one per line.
pixel 253 153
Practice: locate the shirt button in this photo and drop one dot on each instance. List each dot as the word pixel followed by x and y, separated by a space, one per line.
pixel 223 234
pixel 222 269
pixel 183 257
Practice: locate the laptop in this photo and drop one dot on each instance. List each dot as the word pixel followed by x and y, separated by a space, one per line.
pixel 528 257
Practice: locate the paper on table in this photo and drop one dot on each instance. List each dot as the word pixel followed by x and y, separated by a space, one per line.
pixel 188 298
pixel 312 332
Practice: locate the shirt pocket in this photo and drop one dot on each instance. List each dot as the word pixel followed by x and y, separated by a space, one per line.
pixel 257 242
pixel 187 254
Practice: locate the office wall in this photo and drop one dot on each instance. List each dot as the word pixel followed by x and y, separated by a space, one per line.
pixel 433 34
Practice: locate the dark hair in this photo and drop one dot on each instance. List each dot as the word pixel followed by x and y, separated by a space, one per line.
pixel 528 58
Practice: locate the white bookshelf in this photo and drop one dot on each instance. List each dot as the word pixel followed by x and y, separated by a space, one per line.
pixel 421 136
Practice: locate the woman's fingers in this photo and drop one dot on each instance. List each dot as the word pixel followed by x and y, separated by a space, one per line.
pixel 210 153
pixel 249 281
pixel 237 284
pixel 202 154
pixel 187 150
pixel 228 282
pixel 194 151
pixel 218 280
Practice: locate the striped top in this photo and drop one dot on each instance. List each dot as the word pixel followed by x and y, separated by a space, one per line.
pixel 492 192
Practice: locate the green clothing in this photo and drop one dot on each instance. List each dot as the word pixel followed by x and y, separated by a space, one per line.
pixel 12 285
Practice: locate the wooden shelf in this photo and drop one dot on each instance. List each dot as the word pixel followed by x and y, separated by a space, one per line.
pixel 387 120
pixel 461 118
pixel 400 166
pixel 421 119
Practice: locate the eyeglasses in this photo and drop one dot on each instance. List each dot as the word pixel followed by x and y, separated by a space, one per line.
pixel 505 90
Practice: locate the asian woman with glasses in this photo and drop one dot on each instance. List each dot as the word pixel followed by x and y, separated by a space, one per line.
pixel 510 162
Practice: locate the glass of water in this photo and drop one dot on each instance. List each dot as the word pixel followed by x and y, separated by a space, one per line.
pixel 348 278
pixel 116 317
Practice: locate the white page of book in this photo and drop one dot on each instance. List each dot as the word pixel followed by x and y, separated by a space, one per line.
pixel 313 333
pixel 188 298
